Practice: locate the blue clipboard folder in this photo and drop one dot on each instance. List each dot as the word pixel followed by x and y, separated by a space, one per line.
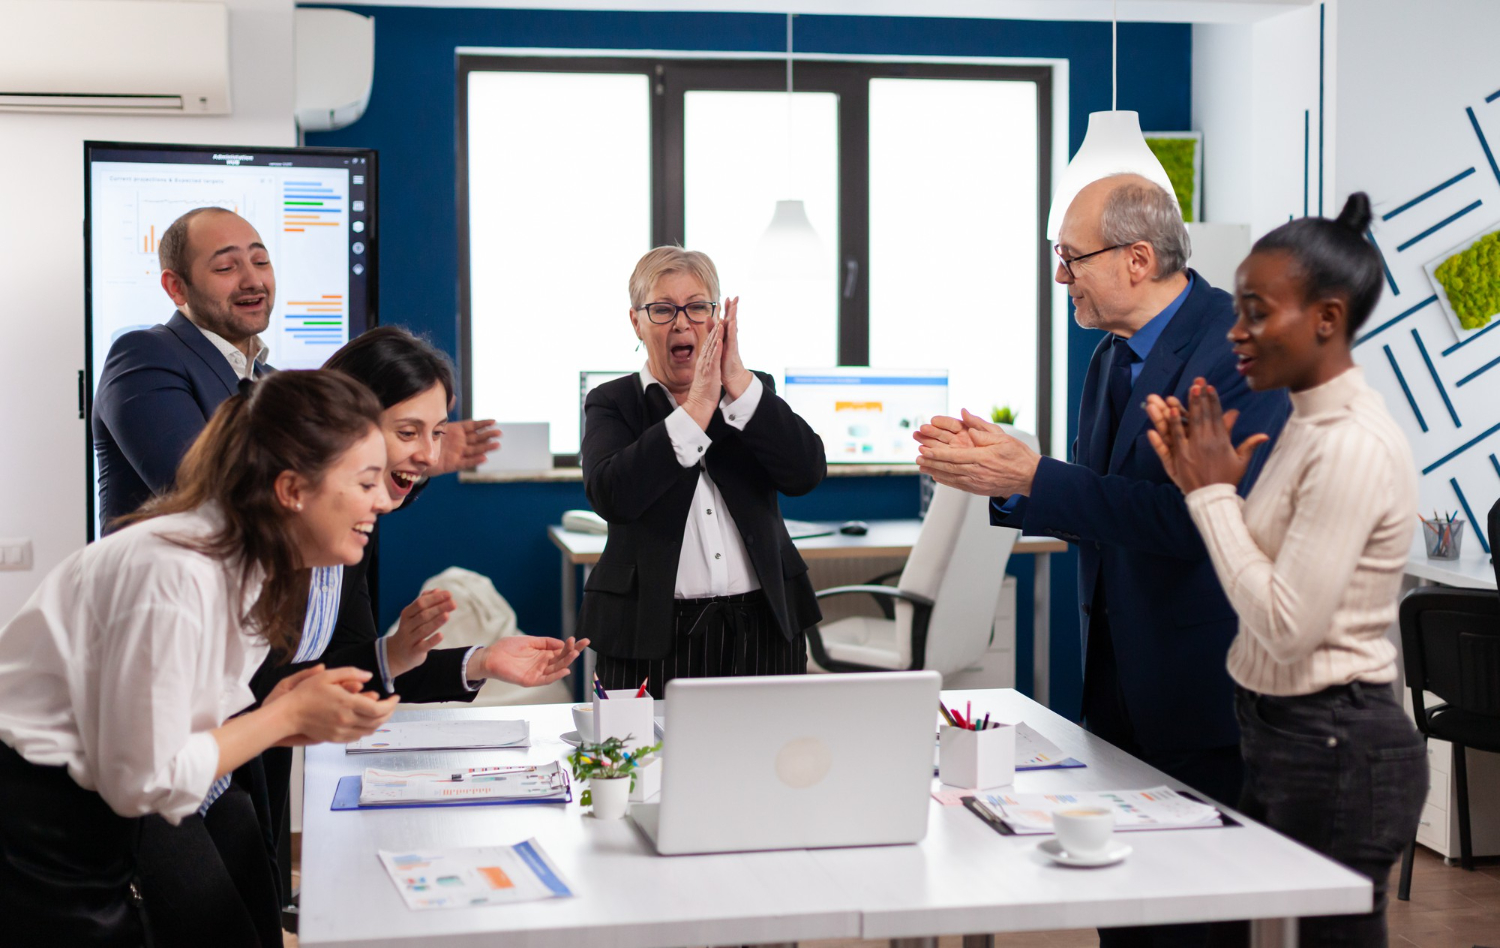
pixel 346 797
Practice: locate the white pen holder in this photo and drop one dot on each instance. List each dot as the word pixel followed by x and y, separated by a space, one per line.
pixel 623 715
pixel 647 780
pixel 977 759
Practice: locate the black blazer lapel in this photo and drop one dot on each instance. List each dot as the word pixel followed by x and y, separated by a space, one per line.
pixel 194 339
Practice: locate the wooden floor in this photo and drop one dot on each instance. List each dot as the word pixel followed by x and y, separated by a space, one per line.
pixel 1449 908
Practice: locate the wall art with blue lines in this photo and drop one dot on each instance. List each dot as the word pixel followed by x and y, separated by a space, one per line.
pixel 1430 346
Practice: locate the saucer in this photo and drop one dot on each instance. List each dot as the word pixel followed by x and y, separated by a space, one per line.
pixel 1113 854
pixel 570 737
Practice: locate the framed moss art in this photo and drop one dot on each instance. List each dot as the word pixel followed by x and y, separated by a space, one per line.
pixel 1181 154
pixel 1466 279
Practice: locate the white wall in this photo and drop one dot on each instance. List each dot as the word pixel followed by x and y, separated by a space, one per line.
pixel 1407 75
pixel 41 273
pixel 1255 98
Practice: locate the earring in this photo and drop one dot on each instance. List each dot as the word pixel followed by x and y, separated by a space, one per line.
pixel 638 345
pixel 299 505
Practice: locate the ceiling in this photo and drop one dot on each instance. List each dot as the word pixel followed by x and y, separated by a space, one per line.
pixel 1156 11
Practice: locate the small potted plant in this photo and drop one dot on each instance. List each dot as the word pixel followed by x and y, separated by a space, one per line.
pixel 609 770
pixel 1002 415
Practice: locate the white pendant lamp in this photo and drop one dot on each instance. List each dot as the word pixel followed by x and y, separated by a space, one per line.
pixel 789 248
pixel 1113 145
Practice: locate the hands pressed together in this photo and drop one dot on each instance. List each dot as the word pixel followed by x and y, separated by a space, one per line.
pixel 718 368
pixel 975 456
pixel 1193 442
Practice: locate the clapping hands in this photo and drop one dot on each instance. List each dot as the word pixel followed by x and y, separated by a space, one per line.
pixel 718 368
pixel 1193 442
pixel 975 456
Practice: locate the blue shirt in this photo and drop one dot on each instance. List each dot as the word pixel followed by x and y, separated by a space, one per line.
pixel 1145 338
pixel 1141 344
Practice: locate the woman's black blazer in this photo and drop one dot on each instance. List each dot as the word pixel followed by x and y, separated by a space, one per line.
pixel 633 481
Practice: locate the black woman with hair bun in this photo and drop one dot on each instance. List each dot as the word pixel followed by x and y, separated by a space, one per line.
pixel 1312 558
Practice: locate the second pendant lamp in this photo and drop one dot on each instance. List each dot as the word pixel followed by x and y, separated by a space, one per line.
pixel 1113 144
pixel 789 248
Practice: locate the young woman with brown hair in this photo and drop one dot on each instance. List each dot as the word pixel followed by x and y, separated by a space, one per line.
pixel 119 675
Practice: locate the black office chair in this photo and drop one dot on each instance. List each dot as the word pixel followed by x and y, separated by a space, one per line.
pixel 1450 639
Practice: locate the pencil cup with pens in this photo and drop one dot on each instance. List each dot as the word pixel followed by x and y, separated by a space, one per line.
pixel 1444 536
pixel 975 753
pixel 624 712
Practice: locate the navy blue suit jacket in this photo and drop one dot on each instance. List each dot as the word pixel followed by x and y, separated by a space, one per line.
pixel 1168 617
pixel 157 392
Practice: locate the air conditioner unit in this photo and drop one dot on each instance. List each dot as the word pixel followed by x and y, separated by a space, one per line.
pixel 158 57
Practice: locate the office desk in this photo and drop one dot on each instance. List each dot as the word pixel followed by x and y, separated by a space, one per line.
pixel 962 878
pixel 886 538
pixel 1472 569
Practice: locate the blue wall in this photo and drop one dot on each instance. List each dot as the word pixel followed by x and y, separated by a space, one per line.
pixel 499 529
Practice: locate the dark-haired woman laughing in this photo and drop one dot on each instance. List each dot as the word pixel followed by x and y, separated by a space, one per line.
pixel 1312 559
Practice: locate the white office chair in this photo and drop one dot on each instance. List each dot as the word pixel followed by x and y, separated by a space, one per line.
pixel 941 612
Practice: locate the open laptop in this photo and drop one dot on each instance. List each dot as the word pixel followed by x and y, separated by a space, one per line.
pixel 794 762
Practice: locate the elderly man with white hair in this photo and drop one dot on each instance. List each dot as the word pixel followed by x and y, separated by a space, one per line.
pixel 1156 624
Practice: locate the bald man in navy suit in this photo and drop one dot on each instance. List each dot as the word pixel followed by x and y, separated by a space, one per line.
pixel 161 385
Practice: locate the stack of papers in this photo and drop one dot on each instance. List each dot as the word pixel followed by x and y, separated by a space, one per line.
pixel 486 875
pixel 1154 809
pixel 542 783
pixel 443 735
pixel 1035 752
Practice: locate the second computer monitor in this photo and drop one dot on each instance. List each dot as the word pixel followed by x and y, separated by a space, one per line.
pixel 864 415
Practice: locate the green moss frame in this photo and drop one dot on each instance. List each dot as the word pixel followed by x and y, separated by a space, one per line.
pixel 1181 155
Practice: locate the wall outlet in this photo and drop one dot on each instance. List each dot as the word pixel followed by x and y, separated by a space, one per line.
pixel 15 553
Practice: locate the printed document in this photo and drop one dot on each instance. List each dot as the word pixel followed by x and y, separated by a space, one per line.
pixel 485 875
pixel 442 735
pixel 1153 809
pixel 540 783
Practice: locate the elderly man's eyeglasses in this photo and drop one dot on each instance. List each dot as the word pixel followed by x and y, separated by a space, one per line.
pixel 1067 262
pixel 661 313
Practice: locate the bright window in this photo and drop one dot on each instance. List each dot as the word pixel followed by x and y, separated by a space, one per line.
pixel 953 214
pixel 559 212
pixel 922 181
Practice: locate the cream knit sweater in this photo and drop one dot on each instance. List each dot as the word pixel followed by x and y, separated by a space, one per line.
pixel 1312 560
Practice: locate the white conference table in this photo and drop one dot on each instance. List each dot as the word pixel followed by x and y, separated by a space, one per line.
pixel 886 538
pixel 963 878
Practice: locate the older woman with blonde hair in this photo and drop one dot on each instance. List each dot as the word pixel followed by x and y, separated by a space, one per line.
pixel 684 459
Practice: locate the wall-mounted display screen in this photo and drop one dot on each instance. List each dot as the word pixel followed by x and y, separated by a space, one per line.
pixel 313 207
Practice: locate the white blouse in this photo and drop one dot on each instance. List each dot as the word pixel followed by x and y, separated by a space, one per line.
pixel 120 664
pixel 714 560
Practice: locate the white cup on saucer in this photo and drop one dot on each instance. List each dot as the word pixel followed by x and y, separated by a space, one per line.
pixel 1084 832
pixel 583 720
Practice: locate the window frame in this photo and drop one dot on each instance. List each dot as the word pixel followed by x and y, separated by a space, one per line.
pixel 848 78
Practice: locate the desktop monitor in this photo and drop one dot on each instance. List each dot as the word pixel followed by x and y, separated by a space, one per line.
pixel 864 415
pixel 314 208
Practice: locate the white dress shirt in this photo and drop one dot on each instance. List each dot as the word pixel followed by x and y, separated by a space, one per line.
pixel 714 561
pixel 120 664
pixel 237 361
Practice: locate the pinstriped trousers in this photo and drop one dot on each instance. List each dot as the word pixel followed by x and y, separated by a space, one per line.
pixel 713 638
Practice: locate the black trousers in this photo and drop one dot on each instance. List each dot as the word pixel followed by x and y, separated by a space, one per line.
pixel 714 638
pixel 209 880
pixel 67 862
pixel 1216 772
pixel 1344 772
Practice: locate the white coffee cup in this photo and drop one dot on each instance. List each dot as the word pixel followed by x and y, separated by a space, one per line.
pixel 1084 831
pixel 583 720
